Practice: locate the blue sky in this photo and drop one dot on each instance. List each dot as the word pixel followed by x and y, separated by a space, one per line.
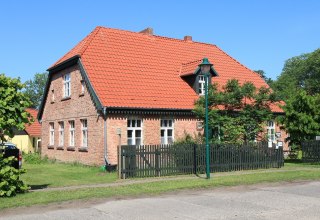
pixel 261 34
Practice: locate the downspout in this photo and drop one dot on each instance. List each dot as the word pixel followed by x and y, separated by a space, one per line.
pixel 105 136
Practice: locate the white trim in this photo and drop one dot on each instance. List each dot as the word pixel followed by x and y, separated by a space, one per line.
pixel 51 133
pixel 67 85
pixel 84 132
pixel 201 83
pixel 61 133
pixel 271 133
pixel 166 125
pixel 72 131
pixel 134 125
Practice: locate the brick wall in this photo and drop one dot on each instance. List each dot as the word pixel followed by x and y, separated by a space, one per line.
pixel 76 108
pixel 150 130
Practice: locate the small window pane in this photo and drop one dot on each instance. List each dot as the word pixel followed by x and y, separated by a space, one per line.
pixel 133 123
pixel 170 123
pixel 170 140
pixel 169 132
pixel 129 133
pixel 128 123
pixel 138 123
pixel 138 133
pixel 138 141
pixel 162 133
pixel 130 141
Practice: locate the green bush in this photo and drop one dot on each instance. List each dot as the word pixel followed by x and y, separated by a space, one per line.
pixel 35 158
pixel 10 184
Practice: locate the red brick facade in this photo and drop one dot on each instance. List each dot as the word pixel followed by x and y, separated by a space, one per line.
pixel 80 106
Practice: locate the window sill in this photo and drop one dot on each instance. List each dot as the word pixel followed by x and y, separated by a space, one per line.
pixel 83 149
pixel 66 98
pixel 71 148
pixel 60 148
pixel 50 147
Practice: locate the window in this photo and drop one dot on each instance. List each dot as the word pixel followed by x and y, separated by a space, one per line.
pixel 166 131
pixel 201 85
pixel 271 133
pixel 71 136
pixel 66 85
pixel 134 131
pixel 61 133
pixel 84 131
pixel 82 87
pixel 51 133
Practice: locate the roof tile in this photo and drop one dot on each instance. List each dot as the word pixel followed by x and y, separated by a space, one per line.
pixel 129 69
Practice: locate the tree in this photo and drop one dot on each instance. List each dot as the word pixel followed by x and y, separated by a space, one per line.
pixel 300 72
pixel 12 106
pixel 263 75
pixel 237 113
pixel 35 88
pixel 302 117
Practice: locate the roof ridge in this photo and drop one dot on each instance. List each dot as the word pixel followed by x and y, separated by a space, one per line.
pixel 154 35
pixel 91 37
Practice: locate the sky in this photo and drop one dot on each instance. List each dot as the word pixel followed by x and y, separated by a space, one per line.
pixel 260 34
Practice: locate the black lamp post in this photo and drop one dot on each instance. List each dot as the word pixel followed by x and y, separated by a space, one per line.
pixel 205 67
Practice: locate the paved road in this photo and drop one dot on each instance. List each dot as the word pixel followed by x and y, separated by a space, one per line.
pixel 286 201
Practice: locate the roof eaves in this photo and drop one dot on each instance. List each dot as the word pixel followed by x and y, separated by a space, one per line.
pixel 97 102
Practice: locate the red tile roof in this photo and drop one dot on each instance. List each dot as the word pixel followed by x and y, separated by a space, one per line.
pixel 34 129
pixel 129 69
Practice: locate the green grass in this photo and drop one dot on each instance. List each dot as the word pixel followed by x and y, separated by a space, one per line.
pixel 70 176
pixel 59 174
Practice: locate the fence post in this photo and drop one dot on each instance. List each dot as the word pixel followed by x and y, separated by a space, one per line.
pixel 195 158
pixel 157 161
pixel 119 162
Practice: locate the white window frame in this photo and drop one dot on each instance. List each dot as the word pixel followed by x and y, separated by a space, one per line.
pixel 67 85
pixel 132 126
pixel 271 133
pixel 84 132
pixel 201 82
pixel 51 133
pixel 166 124
pixel 72 131
pixel 61 133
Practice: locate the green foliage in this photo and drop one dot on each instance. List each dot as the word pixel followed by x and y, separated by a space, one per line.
pixel 35 88
pixel 35 158
pixel 263 75
pixel 10 184
pixel 12 106
pixel 302 117
pixel 300 72
pixel 237 113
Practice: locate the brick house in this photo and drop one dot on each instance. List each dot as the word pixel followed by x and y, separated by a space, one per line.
pixel 121 87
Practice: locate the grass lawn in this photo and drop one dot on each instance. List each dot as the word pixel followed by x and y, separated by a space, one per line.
pixel 55 175
pixel 58 174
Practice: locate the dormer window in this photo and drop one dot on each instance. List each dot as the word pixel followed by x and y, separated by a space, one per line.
pixel 201 85
pixel 195 74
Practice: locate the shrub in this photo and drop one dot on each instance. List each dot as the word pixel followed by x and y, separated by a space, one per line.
pixel 10 184
pixel 35 158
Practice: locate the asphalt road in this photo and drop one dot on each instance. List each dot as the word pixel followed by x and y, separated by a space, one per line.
pixel 285 201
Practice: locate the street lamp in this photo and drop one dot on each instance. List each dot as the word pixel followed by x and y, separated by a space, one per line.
pixel 205 67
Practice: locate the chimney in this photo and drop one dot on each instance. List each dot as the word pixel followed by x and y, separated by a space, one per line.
pixel 188 38
pixel 147 31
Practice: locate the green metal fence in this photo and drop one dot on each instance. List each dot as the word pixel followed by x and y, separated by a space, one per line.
pixel 311 151
pixel 164 160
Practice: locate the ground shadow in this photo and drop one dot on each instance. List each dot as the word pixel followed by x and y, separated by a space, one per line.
pixel 42 186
